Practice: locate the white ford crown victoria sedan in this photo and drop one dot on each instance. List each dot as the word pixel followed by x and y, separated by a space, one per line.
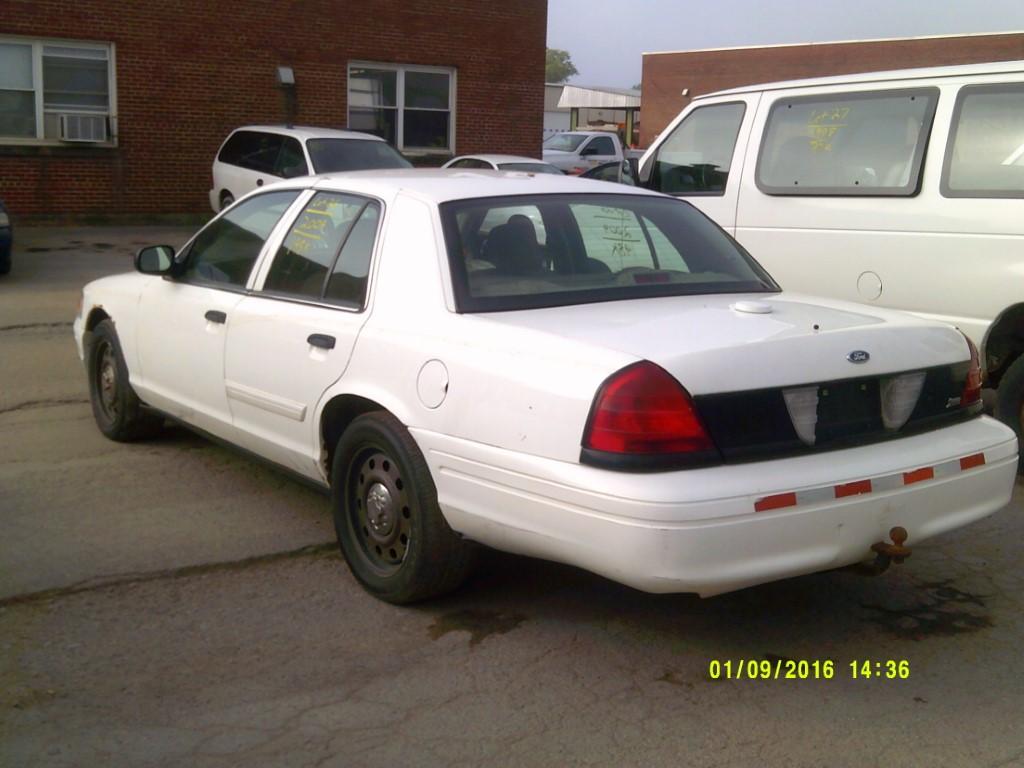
pixel 550 366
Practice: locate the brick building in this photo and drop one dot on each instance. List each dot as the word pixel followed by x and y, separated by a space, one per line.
pixel 109 107
pixel 667 75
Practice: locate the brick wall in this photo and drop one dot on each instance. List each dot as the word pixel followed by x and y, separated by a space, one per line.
pixel 665 75
pixel 188 71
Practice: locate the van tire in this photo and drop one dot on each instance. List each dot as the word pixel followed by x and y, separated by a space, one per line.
pixel 1010 402
pixel 226 199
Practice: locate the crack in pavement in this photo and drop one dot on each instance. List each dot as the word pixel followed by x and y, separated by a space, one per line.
pixel 33 326
pixel 52 403
pixel 124 579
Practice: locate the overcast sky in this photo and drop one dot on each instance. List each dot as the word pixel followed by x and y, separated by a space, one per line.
pixel 607 37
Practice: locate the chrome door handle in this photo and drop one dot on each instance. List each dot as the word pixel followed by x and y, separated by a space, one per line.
pixel 321 340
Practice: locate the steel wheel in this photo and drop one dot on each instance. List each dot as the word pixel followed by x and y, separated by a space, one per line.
pixel 379 510
pixel 106 381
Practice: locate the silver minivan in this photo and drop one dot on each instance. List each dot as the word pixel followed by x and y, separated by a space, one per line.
pixel 900 189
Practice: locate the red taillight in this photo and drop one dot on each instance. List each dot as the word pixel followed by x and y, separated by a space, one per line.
pixel 972 387
pixel 643 410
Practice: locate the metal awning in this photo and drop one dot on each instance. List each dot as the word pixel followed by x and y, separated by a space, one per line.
pixel 578 97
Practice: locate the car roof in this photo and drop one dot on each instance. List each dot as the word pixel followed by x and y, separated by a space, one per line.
pixel 438 185
pixel 305 132
pixel 501 159
pixel 922 73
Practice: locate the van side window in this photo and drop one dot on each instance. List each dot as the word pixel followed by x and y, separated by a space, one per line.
pixel 253 150
pixel 985 152
pixel 846 143
pixel 695 158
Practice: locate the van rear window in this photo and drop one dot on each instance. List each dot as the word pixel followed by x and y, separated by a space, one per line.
pixel 846 143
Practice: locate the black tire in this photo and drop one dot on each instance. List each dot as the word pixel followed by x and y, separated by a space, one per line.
pixel 1010 403
pixel 226 199
pixel 5 263
pixel 390 529
pixel 115 406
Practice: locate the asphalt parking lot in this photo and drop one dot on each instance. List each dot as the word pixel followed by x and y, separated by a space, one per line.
pixel 173 603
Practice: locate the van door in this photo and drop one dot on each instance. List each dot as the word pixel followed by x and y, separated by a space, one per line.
pixel 836 197
pixel 700 156
pixel 293 336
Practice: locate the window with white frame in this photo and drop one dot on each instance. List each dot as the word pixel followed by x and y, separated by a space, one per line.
pixel 411 107
pixel 59 90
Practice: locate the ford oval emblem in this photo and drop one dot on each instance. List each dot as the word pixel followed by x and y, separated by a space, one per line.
pixel 858 356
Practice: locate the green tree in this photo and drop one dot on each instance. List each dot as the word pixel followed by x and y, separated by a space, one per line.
pixel 558 66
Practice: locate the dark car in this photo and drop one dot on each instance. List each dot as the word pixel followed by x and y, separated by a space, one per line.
pixel 6 240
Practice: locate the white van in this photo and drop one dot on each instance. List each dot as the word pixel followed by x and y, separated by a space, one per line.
pixel 256 154
pixel 900 189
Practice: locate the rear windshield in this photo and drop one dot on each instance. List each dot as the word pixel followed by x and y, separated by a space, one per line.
pixel 333 155
pixel 529 167
pixel 566 142
pixel 523 252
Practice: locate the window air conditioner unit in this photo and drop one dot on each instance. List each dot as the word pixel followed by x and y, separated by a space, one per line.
pixel 82 127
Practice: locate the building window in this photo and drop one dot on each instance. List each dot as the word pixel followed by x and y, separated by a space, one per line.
pixel 410 107
pixel 56 91
pixel 846 143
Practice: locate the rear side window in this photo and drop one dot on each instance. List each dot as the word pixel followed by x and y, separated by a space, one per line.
pixel 291 162
pixel 696 157
pixel 985 152
pixel 223 253
pixel 253 150
pixel 326 254
pixel 846 143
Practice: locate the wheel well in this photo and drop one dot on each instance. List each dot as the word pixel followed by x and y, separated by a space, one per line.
pixel 1004 343
pixel 338 414
pixel 224 193
pixel 96 316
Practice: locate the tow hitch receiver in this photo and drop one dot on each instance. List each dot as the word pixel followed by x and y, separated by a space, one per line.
pixel 886 554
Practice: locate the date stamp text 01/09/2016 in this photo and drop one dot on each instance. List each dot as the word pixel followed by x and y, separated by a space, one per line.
pixel 806 669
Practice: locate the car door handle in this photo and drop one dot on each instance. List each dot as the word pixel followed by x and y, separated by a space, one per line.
pixel 216 316
pixel 321 340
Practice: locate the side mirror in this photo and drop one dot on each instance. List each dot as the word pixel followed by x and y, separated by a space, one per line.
pixel 627 173
pixel 293 171
pixel 155 260
pixel 586 151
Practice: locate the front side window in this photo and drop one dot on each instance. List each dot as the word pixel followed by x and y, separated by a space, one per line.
pixel 846 143
pixel 696 157
pixel 410 107
pixel 551 250
pixel 56 92
pixel 326 254
pixel 985 152
pixel 222 254
pixel 602 145
pixel 335 155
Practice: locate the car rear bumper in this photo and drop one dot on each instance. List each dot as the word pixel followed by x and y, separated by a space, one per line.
pixel 723 528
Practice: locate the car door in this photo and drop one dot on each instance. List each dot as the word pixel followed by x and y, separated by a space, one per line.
pixel 292 336
pixel 700 158
pixel 183 321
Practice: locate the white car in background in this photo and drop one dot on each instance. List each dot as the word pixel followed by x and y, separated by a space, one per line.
pixel 254 155
pixel 622 389
pixel 502 163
